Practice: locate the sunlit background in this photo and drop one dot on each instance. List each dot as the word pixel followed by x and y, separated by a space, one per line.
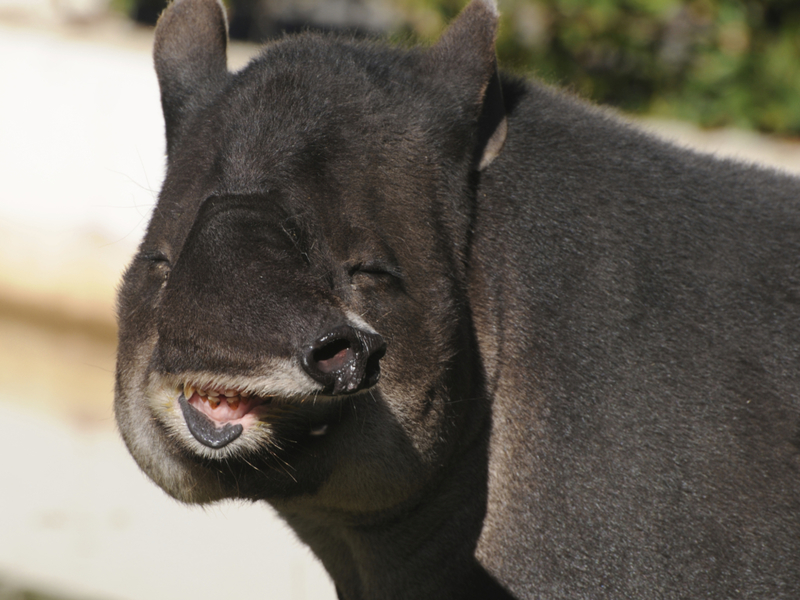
pixel 81 162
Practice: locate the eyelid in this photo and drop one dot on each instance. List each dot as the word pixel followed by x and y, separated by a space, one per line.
pixel 154 256
pixel 376 267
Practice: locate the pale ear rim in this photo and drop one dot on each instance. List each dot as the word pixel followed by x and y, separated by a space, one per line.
pixel 491 5
pixel 494 145
pixel 493 122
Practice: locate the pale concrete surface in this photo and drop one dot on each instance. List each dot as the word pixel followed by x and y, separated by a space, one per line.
pixel 78 517
pixel 81 159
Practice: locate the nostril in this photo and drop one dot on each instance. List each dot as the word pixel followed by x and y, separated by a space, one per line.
pixel 332 356
pixel 345 359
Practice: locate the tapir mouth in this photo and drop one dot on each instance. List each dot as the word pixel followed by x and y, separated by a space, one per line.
pixel 217 417
pixel 222 406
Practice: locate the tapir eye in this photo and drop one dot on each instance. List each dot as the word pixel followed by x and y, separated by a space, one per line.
pixel 376 270
pixel 158 262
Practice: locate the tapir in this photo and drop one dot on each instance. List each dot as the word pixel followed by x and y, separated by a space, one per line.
pixel 470 336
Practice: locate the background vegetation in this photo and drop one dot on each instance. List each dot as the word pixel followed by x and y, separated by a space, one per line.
pixel 713 62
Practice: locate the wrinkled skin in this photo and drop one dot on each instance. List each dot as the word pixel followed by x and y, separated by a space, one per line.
pixel 470 338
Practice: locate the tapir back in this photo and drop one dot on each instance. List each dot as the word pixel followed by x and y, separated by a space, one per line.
pixel 638 312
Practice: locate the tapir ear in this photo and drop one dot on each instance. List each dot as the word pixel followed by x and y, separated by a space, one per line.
pixel 190 57
pixel 465 58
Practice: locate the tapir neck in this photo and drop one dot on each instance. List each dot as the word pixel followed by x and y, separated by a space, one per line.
pixel 426 552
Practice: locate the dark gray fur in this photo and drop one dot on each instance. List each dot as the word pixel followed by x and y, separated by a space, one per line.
pixel 590 379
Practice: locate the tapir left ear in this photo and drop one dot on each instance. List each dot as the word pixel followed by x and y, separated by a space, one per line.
pixel 190 55
pixel 465 57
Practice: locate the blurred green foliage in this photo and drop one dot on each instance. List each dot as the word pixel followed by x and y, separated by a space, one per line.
pixel 713 62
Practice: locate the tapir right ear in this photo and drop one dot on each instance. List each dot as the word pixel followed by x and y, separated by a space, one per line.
pixel 465 58
pixel 190 57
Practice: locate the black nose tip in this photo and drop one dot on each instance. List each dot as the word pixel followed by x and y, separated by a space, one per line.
pixel 345 359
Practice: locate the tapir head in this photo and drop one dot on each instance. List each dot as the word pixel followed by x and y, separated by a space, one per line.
pixel 295 322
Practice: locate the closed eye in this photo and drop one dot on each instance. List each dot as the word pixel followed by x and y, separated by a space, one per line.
pixel 154 256
pixel 157 261
pixel 376 268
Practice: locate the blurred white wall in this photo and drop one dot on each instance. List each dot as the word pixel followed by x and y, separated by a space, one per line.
pixel 82 158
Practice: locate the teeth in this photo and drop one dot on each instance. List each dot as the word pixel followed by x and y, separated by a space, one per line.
pixel 214 397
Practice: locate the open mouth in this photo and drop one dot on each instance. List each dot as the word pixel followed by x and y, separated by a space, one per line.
pixel 222 406
pixel 217 417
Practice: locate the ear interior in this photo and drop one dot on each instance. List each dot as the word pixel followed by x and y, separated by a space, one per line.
pixel 466 53
pixel 190 55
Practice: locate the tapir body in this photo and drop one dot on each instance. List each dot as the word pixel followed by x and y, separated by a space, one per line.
pixel 471 337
